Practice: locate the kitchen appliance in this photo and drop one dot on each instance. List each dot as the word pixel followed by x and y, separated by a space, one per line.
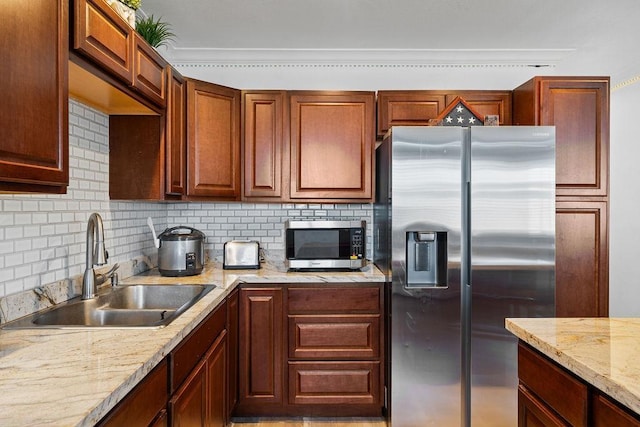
pixel 241 254
pixel 180 250
pixel 325 245
pixel 464 229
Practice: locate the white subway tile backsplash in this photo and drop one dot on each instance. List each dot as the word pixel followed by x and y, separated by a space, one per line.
pixel 42 237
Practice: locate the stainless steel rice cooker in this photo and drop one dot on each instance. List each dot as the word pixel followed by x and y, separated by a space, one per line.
pixel 180 251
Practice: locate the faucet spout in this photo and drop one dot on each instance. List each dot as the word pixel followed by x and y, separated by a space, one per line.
pixel 96 255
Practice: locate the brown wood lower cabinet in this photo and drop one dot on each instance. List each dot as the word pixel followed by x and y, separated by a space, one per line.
pixel 327 359
pixel 549 395
pixel 201 400
pixel 190 386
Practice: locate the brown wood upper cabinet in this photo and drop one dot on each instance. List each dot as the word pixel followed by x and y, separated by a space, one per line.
pixel 264 125
pixel 103 36
pixel 417 107
pixel 579 109
pixel 213 141
pixel 34 117
pixel 176 135
pixel 331 142
pixel 110 44
pixel 149 72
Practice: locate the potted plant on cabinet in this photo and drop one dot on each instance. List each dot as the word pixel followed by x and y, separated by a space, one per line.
pixel 126 9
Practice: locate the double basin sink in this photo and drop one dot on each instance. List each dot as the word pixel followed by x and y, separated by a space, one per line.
pixel 128 306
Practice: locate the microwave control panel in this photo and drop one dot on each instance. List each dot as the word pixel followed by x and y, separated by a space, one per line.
pixel 357 243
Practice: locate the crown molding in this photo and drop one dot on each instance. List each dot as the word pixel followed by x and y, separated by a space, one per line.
pixel 437 58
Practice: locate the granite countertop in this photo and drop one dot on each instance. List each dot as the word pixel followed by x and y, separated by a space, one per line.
pixel 602 351
pixel 76 376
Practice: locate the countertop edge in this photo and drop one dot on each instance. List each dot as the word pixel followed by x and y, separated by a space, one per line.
pixel 582 367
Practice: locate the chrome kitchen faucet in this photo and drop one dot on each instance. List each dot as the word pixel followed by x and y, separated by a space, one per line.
pixel 96 255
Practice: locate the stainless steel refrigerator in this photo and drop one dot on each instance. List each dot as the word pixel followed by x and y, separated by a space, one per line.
pixel 464 228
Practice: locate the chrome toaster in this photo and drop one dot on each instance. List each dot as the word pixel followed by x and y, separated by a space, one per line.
pixel 241 254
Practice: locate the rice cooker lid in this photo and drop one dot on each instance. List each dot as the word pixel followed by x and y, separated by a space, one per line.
pixel 181 233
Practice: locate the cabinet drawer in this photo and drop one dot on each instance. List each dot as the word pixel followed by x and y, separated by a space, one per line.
pixel 193 348
pixel 334 383
pixel 334 337
pixel 557 388
pixel 334 300
pixel 532 412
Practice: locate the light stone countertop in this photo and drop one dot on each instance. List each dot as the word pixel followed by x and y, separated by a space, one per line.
pixel 604 352
pixel 66 377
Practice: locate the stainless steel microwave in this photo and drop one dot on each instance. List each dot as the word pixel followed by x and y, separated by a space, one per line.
pixel 325 245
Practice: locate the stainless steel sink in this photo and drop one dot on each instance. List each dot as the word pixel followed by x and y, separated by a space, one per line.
pixel 137 306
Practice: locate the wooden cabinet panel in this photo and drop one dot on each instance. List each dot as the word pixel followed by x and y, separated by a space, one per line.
pixel 176 134
pixel 608 413
pixel 407 108
pixel 332 139
pixel 417 107
pixel 557 388
pixel 334 337
pixel 135 149
pixel 261 347
pixel 579 109
pixel 34 115
pixel 335 383
pixel 582 280
pixel 264 143
pixel 341 299
pixel 534 413
pixel 144 403
pixel 193 348
pixel 213 140
pixel 187 407
pixel 149 71
pixel 216 397
pixel 486 102
pixel 102 35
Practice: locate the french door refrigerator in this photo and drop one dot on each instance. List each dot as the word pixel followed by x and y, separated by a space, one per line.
pixel 464 228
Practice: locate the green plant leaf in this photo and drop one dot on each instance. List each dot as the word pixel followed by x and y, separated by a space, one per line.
pixel 156 32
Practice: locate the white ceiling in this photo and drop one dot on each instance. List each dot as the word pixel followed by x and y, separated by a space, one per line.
pixel 593 37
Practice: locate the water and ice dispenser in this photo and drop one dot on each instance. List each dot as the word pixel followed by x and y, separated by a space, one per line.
pixel 426 259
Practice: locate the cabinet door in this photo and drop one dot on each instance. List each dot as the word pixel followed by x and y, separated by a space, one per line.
pixel 579 109
pixel 102 35
pixel 582 280
pixel 187 407
pixel 261 348
pixel 34 116
pixel 149 72
pixel 264 114
pixel 486 102
pixel 216 401
pixel 332 140
pixel 176 134
pixel 408 108
pixel 213 139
